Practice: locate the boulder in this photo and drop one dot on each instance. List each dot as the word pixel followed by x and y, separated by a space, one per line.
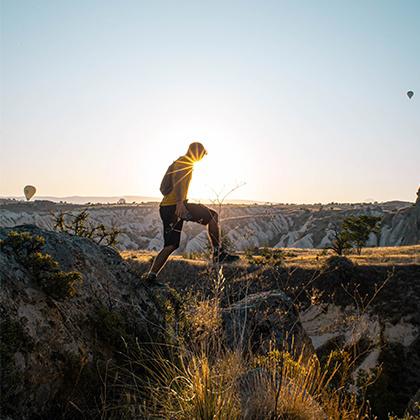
pixel 264 321
pixel 53 350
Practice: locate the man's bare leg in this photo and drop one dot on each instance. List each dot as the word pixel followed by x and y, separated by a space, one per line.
pixel 214 231
pixel 219 254
pixel 161 259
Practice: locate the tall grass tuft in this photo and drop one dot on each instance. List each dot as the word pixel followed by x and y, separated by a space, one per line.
pixel 209 381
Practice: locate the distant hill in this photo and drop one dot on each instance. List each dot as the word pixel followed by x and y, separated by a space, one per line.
pixel 77 199
pixel 247 225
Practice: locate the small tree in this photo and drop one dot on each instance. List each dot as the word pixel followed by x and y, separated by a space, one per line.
pixel 340 242
pixel 358 228
pixel 79 225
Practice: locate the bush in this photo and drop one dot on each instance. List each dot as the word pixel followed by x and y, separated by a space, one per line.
pixel 79 225
pixel 22 244
pixel 339 268
pixel 336 262
pixel 45 270
pixel 60 285
pixel 265 256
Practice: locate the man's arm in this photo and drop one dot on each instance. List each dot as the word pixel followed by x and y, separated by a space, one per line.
pixel 179 184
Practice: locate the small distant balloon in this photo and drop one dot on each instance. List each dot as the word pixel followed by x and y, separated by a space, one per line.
pixel 29 191
pixel 410 94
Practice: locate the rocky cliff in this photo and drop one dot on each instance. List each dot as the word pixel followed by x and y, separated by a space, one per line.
pixel 246 226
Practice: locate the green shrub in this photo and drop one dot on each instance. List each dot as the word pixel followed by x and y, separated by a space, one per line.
pixel 59 284
pixel 354 232
pixel 22 244
pixel 359 228
pixel 45 270
pixel 265 256
pixel 39 262
pixel 341 266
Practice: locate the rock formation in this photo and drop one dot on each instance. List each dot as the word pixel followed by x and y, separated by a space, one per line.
pixel 266 320
pixel 70 314
pixel 247 226
pixel 52 349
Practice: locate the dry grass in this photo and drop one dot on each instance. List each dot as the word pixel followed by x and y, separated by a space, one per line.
pixel 314 258
pixel 230 386
pixel 201 379
pixel 388 256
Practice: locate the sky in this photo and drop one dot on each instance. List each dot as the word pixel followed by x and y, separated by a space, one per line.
pixel 296 101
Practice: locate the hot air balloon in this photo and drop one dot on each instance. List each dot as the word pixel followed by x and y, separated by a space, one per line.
pixel 29 191
pixel 410 94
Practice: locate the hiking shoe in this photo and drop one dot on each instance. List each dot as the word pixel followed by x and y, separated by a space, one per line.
pixel 150 280
pixel 224 258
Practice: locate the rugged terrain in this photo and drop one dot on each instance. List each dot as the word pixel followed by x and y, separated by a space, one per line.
pixel 55 340
pixel 247 226
pixel 365 304
pixel 75 317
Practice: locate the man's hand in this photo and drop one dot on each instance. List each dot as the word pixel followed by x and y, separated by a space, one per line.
pixel 181 211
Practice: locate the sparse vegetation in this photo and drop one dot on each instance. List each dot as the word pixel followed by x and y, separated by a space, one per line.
pixel 343 266
pixel 187 371
pixel 45 270
pixel 265 256
pixel 208 381
pixel 358 229
pixel 80 225
pixel 340 242
pixel 354 233
pixel 342 282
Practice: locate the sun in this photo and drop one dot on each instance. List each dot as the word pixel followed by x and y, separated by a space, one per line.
pixel 213 177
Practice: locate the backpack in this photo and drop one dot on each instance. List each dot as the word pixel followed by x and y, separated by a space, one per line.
pixel 167 184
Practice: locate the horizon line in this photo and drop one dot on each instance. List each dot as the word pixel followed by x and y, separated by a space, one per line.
pixel 153 199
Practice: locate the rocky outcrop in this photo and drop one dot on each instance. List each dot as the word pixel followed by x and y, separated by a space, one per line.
pixel 373 314
pixel 247 226
pixel 401 228
pixel 53 351
pixel 62 339
pixel 265 321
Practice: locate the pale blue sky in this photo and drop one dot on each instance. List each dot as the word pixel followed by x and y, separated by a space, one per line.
pixel 304 101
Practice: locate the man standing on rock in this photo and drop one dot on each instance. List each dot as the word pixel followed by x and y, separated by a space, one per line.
pixel 175 209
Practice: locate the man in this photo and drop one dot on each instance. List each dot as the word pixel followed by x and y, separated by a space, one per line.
pixel 175 209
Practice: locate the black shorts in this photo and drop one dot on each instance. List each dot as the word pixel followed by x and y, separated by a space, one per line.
pixel 172 225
